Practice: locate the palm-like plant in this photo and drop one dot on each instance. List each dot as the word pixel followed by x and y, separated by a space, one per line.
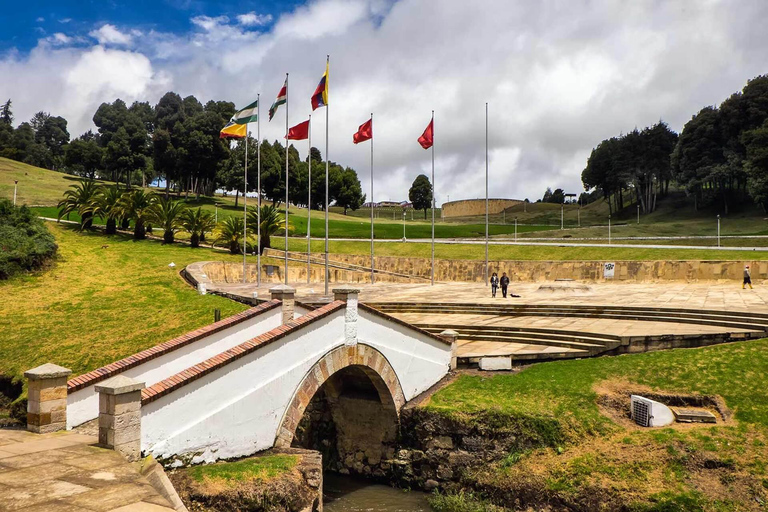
pixel 197 223
pixel 106 206
pixel 271 223
pixel 79 199
pixel 136 205
pixel 168 215
pixel 229 232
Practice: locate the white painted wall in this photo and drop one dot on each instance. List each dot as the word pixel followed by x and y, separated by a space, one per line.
pixel 83 405
pixel 237 410
pixel 419 360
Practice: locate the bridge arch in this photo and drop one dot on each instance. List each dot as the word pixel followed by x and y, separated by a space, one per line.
pixel 360 358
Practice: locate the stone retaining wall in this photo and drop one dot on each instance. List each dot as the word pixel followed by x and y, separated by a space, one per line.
pixel 397 269
pixel 536 271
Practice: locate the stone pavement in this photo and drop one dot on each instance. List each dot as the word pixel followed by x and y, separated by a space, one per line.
pixel 709 295
pixel 65 472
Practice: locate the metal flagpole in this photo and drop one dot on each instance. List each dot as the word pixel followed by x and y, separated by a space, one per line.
pixel 258 189
pixel 245 200
pixel 433 197
pixel 309 198
pixel 327 88
pixel 372 278
pixel 486 194
pixel 286 178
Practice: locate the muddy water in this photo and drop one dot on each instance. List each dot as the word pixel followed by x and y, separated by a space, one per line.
pixel 344 494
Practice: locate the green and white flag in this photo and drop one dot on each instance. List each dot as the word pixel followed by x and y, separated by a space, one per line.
pixel 247 114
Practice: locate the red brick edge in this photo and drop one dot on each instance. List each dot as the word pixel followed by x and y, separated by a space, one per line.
pixel 111 369
pixel 193 373
pixel 371 309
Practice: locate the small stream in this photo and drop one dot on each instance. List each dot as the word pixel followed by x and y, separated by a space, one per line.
pixel 345 494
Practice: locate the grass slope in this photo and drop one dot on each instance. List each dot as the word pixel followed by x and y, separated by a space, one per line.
pixel 697 469
pixel 97 305
pixel 36 186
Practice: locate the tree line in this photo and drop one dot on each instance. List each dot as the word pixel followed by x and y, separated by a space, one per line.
pixel 720 158
pixel 178 141
pixel 118 207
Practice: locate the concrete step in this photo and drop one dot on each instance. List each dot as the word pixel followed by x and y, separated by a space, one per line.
pixel 555 334
pixel 718 319
pixel 589 347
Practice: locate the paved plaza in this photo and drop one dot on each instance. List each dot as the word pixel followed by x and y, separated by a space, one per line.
pixel 70 474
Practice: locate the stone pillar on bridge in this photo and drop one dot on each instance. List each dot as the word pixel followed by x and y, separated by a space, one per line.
pixel 120 415
pixel 452 337
pixel 349 295
pixel 47 398
pixel 287 295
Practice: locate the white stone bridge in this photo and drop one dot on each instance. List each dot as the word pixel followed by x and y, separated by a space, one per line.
pixel 244 384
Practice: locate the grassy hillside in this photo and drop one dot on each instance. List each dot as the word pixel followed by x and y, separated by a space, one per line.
pixel 97 304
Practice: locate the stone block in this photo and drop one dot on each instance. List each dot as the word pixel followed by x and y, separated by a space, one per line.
pixel 495 363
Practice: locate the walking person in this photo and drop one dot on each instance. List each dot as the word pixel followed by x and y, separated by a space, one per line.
pixel 747 279
pixel 504 284
pixel 494 284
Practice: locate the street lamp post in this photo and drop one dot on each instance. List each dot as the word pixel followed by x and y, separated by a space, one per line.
pixel 562 210
pixel 515 229
pixel 15 186
pixel 216 215
pixel 718 231
pixel 609 230
pixel 403 225
pixel 638 213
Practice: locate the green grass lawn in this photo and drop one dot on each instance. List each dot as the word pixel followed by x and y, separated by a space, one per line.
pixel 96 305
pixel 519 252
pixel 584 453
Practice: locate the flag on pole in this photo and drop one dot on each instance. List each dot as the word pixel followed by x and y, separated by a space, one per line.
pixel 320 97
pixel 233 131
pixel 299 132
pixel 281 98
pixel 365 132
pixel 426 138
pixel 236 127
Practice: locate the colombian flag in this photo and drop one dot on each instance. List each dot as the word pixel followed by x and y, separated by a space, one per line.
pixel 233 130
pixel 320 98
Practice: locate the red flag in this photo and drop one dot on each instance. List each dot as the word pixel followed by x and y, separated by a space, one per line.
pixel 426 138
pixel 365 132
pixel 299 132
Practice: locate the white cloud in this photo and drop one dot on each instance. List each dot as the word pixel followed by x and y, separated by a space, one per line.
pixel 59 39
pixel 252 19
pixel 40 19
pixel 559 77
pixel 65 20
pixel 109 34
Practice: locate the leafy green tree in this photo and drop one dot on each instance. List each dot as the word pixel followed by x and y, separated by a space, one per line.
pixel 272 222
pixel 420 193
pixel 349 193
pixel 79 199
pixel 756 163
pixel 124 135
pixel 136 205
pixel 84 157
pixel 6 115
pixel 197 222
pixel 229 233
pixel 53 135
pixel 168 215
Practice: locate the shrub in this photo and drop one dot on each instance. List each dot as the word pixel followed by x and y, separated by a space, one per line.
pixel 25 242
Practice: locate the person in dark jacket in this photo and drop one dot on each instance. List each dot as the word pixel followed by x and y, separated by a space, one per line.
pixel 494 284
pixel 504 284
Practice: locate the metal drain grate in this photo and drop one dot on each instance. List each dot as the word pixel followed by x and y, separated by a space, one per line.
pixel 641 411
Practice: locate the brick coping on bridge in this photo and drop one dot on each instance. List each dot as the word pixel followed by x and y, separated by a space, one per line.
pixel 212 364
pixel 193 373
pixel 105 372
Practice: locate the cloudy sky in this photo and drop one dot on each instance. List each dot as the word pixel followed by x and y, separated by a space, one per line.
pixel 559 76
